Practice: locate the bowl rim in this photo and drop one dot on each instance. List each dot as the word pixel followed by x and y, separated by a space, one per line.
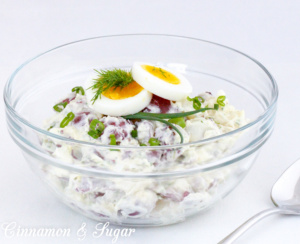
pixel 199 142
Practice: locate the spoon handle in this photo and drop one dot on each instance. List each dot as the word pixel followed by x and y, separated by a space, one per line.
pixel 250 222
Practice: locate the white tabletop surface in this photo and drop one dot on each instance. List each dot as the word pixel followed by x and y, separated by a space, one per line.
pixel 267 30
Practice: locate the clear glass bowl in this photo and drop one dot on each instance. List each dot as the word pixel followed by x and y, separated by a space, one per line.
pixel 159 197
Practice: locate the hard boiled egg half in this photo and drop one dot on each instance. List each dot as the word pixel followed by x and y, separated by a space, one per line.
pixel 148 79
pixel 119 102
pixel 161 81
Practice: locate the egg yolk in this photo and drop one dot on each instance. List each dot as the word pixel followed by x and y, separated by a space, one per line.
pixel 162 74
pixel 117 93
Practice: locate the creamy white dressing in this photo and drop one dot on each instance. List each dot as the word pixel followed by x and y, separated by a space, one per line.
pixel 121 199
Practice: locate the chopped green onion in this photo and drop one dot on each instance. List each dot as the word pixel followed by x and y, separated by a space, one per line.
pixel 134 133
pixel 143 145
pixel 201 99
pixel 60 106
pixel 216 106
pixel 78 89
pixel 70 116
pixel 113 139
pixel 97 125
pixel 220 100
pixel 178 121
pixel 93 134
pixel 96 128
pixel 154 142
pixel 165 116
pixel 113 142
pixel 50 127
pixel 196 102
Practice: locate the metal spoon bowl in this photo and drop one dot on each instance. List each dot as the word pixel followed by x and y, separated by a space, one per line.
pixel 285 195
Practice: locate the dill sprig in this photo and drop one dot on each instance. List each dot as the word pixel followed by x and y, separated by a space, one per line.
pixel 108 79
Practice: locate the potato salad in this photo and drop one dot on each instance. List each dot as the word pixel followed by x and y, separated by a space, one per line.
pixel 142 120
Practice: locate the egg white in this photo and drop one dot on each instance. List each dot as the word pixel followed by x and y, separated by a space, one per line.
pixel 159 87
pixel 120 107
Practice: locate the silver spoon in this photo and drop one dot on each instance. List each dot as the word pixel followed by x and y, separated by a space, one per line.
pixel 285 195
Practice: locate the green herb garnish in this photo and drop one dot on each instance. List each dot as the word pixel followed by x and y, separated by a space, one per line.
pixel 166 116
pixel 93 134
pixel 97 125
pixel 201 99
pixel 110 79
pixel 220 100
pixel 143 145
pixel 154 142
pixel 134 133
pixel 196 102
pixel 161 118
pixel 60 106
pixel 113 140
pixel 178 121
pixel 70 116
pixel 96 128
pixel 78 89
pixel 216 106
pixel 50 127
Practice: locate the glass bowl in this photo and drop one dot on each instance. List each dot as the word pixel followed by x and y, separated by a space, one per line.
pixel 130 197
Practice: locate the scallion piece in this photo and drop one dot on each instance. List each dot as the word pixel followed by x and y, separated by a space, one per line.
pixel 165 116
pixel 97 125
pixel 113 139
pixel 201 99
pixel 143 145
pixel 220 100
pixel 216 106
pixel 60 106
pixel 50 127
pixel 154 142
pixel 78 89
pixel 113 142
pixel 70 116
pixel 196 102
pixel 96 128
pixel 178 121
pixel 93 134
pixel 134 133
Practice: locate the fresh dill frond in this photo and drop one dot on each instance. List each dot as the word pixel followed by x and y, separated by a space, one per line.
pixel 110 79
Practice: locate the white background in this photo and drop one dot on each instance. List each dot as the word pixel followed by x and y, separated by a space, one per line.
pixel 266 30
